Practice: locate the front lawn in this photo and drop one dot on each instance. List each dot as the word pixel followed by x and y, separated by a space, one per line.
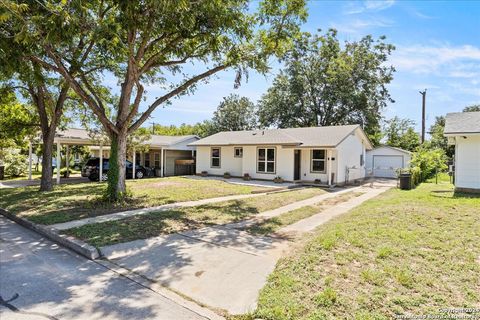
pixel 163 222
pixel 404 252
pixel 76 201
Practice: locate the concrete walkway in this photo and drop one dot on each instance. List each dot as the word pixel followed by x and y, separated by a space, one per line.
pixel 41 280
pixel 165 207
pixel 221 267
pixel 314 221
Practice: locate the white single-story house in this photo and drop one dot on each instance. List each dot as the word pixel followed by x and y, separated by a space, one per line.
pixel 172 155
pixel 384 161
pixel 463 130
pixel 328 155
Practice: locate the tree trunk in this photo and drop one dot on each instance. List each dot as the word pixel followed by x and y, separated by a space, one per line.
pixel 46 183
pixel 117 188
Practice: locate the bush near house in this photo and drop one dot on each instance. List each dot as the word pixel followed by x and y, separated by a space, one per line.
pixel 425 163
pixel 15 164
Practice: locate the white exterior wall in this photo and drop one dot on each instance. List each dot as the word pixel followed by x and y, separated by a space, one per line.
pixel 384 151
pixel 283 163
pixel 349 151
pixel 467 162
pixel 228 162
pixel 306 160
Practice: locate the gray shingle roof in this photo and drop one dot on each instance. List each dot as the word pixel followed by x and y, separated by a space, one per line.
pixel 305 137
pixel 462 122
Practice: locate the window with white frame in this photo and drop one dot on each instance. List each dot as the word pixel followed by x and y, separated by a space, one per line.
pixel 318 160
pixel 266 160
pixel 215 158
pixel 156 160
pixel 238 152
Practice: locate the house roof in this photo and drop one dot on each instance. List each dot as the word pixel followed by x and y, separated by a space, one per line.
pixel 462 122
pixel 82 136
pixel 328 136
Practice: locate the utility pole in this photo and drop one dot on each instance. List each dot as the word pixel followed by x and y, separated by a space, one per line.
pixel 153 127
pixel 424 94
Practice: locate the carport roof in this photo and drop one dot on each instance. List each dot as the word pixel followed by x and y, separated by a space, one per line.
pixel 81 136
pixel 462 122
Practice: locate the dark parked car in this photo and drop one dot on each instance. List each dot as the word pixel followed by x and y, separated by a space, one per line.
pixel 91 169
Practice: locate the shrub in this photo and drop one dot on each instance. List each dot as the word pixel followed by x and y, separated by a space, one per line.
pixel 425 162
pixel 15 164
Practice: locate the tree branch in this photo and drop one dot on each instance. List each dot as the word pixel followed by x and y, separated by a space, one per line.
pixel 173 93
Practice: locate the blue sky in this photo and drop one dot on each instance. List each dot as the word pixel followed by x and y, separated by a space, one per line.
pixel 438 48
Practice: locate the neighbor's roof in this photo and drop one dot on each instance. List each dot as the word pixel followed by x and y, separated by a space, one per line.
pixel 394 148
pixel 462 122
pixel 305 137
pixel 82 135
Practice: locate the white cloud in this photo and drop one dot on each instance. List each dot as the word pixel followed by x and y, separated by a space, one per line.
pixel 437 59
pixel 378 5
pixel 359 26
pixel 355 7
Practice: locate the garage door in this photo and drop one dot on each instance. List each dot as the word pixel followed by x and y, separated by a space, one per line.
pixel 385 166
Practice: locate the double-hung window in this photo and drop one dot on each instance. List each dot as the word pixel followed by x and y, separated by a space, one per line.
pixel 266 160
pixel 318 160
pixel 215 158
pixel 146 161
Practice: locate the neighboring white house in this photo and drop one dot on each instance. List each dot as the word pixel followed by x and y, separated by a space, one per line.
pixel 170 154
pixel 385 160
pixel 463 130
pixel 333 155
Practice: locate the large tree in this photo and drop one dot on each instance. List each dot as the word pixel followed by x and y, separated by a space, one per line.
pixel 437 139
pixel 327 83
pixel 46 92
pixel 472 108
pixel 235 113
pixel 401 133
pixel 141 43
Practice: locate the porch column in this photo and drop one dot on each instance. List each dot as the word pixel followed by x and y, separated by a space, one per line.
pixel 329 167
pixel 134 164
pixel 101 163
pixel 30 160
pixel 67 159
pixel 161 162
pixel 59 162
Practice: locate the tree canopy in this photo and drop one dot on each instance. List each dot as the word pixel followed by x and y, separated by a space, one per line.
pixel 327 83
pixel 235 113
pixel 401 133
pixel 148 42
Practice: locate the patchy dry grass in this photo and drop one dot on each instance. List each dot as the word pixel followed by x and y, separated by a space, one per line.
pixel 404 252
pixel 77 201
pixel 163 222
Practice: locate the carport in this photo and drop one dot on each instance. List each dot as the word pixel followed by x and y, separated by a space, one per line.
pixel 163 152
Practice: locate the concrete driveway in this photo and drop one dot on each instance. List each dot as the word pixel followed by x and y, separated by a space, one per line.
pixel 221 267
pixel 36 182
pixel 39 280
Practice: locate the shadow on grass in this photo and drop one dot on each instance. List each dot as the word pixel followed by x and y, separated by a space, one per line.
pixel 454 194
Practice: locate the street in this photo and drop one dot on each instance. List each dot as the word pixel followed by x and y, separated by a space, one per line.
pixel 40 280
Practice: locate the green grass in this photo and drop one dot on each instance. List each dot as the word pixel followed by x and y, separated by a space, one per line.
pixel 164 222
pixel 403 252
pixel 76 201
pixel 270 226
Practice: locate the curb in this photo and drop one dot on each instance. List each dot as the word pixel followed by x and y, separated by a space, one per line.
pixel 80 247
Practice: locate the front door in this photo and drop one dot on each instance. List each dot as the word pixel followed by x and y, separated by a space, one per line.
pixel 296 171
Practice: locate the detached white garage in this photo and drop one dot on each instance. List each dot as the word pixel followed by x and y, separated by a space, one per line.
pixel 384 161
